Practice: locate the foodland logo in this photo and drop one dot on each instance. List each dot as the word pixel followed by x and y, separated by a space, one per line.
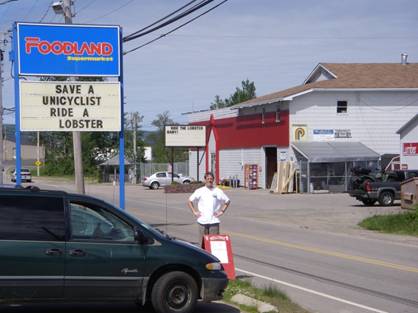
pixel 67 48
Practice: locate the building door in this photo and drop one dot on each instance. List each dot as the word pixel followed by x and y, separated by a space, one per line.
pixel 271 164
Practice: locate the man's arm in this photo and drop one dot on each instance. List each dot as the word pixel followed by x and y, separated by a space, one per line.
pixel 223 208
pixel 195 211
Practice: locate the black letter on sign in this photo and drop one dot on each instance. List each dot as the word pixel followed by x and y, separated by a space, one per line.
pixel 85 113
pixel 91 90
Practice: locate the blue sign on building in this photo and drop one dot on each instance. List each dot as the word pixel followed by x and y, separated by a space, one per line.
pixel 68 50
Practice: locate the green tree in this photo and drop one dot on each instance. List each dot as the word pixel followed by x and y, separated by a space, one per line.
pixel 160 153
pixel 246 92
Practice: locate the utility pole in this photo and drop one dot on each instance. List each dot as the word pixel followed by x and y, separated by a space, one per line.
pixel 78 162
pixel 135 125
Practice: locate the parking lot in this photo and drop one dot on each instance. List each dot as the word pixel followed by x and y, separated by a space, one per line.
pixel 307 245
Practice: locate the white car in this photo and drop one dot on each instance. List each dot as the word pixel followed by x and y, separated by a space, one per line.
pixel 164 178
pixel 25 175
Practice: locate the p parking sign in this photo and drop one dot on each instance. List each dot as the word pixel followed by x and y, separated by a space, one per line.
pixel 68 50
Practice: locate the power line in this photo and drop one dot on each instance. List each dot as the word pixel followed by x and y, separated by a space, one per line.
pixel 31 9
pixel 170 21
pixel 161 19
pixel 173 30
pixel 7 1
pixel 113 11
pixel 85 7
pixel 46 12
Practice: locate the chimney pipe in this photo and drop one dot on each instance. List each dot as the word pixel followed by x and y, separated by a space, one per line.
pixel 404 58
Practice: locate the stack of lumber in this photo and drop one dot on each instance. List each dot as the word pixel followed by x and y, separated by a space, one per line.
pixel 285 180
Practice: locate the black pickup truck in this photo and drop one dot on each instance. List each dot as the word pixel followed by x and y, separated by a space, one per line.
pixel 384 188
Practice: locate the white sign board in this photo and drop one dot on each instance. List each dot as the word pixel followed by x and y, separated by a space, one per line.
pixel 323 134
pixel 185 136
pixel 70 106
pixel 148 153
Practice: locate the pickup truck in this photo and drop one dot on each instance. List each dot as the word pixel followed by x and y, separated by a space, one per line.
pixel 385 189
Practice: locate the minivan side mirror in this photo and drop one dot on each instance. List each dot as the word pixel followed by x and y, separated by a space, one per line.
pixel 141 238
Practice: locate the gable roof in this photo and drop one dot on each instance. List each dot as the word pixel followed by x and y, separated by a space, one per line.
pixel 348 76
pixel 411 122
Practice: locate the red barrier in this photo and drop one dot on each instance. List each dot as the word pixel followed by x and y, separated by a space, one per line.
pixel 220 246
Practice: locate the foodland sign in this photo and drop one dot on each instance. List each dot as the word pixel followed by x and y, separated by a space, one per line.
pixel 70 106
pixel 68 50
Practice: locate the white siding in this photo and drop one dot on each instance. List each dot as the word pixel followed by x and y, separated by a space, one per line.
pixel 408 136
pixel 372 116
pixel 232 163
pixel 193 161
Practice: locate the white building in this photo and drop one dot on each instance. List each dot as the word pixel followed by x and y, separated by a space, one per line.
pixel 343 115
pixel 409 144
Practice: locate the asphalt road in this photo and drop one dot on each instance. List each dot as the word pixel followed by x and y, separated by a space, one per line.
pixel 306 245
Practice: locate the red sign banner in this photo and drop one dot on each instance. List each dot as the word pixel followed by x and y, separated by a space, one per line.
pixel 410 148
pixel 220 246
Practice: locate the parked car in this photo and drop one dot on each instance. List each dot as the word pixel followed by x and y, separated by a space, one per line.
pixel 62 247
pixel 385 189
pixel 159 179
pixel 25 175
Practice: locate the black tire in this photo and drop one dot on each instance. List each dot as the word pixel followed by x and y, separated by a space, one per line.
pixel 155 185
pixel 186 182
pixel 386 198
pixel 368 202
pixel 174 292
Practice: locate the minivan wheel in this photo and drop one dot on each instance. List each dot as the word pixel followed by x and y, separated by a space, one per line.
pixel 386 198
pixel 155 185
pixel 174 292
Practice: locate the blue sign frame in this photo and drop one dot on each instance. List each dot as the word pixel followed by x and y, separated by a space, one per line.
pixel 29 68
pixel 68 49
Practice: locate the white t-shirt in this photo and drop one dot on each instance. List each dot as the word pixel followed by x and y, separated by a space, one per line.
pixel 208 202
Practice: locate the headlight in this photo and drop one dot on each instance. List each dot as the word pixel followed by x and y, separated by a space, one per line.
pixel 216 266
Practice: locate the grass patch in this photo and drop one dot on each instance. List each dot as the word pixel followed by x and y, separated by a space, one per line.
pixel 269 294
pixel 405 223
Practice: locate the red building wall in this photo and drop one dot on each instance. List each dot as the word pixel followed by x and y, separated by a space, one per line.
pixel 246 132
pixel 249 131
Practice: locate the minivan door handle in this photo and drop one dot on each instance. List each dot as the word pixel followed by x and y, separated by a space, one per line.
pixel 53 252
pixel 77 252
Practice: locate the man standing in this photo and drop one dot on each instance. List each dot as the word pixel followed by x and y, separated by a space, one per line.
pixel 212 202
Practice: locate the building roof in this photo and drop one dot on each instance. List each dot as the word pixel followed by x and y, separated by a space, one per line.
pixel 411 122
pixel 114 161
pixel 348 76
pixel 322 152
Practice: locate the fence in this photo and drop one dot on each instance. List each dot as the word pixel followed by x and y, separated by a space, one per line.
pixel 149 168
pixel 110 174
pixel 333 177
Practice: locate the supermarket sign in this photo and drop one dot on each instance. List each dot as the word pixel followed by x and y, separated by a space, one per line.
pixel 68 50
pixel 410 148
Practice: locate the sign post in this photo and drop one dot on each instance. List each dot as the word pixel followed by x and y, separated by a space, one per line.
pixel 68 50
pixel 185 136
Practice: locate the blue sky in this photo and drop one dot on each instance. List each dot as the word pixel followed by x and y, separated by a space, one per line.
pixel 275 43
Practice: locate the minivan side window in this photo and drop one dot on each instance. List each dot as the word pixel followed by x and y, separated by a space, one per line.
pixel 89 222
pixel 32 218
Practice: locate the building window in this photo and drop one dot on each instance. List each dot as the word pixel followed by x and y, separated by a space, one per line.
pixel 341 106
pixel 277 115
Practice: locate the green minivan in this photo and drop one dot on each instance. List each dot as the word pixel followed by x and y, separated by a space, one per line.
pixel 56 246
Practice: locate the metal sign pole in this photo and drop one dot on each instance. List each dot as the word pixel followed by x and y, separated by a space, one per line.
pixel 121 134
pixel 17 107
pixel 197 163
